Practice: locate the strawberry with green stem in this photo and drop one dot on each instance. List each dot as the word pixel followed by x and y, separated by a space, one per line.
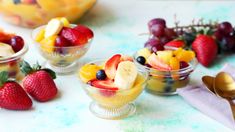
pixel 12 95
pixel 39 82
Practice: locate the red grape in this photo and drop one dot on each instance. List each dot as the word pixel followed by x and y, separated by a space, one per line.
pixel 164 40
pixel 61 42
pixel 227 43
pixel 225 27
pixel 157 47
pixel 17 43
pixel 157 30
pixel 157 21
pixel 170 33
pixel 183 64
pixel 152 42
pixel 218 35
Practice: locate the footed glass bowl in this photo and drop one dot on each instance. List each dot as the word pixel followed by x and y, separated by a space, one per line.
pixel 33 13
pixel 63 60
pixel 12 64
pixel 166 82
pixel 114 104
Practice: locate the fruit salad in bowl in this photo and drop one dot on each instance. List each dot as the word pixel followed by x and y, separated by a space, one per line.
pixel 62 44
pixel 169 68
pixel 12 51
pixel 112 85
pixel 33 13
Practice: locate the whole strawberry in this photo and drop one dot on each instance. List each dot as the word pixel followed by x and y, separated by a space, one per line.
pixel 206 49
pixel 38 82
pixel 12 95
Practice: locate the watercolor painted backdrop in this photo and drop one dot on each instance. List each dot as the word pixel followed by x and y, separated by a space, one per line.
pixel 116 25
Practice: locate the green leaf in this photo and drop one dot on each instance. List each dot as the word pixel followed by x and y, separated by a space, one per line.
pixel 51 72
pixel 3 77
pixel 25 67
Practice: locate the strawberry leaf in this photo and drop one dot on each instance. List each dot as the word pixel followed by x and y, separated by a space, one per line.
pixel 50 72
pixel 25 67
pixel 3 77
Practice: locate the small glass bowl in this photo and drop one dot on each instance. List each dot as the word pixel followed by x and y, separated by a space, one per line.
pixel 63 60
pixel 114 104
pixel 12 64
pixel 166 82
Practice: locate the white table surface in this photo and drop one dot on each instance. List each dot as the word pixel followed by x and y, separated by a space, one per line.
pixel 116 24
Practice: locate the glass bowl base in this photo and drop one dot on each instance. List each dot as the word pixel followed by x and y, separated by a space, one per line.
pixel 112 113
pixel 62 70
pixel 161 93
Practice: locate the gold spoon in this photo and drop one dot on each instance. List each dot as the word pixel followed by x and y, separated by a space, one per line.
pixel 209 82
pixel 224 85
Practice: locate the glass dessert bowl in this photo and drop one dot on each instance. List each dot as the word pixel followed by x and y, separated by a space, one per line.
pixel 12 51
pixel 112 98
pixel 63 47
pixel 33 13
pixel 166 78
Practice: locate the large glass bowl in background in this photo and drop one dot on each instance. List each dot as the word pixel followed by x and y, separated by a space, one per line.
pixel 167 82
pixel 114 104
pixel 63 60
pixel 12 64
pixel 38 12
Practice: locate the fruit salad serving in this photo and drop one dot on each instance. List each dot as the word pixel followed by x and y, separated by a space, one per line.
pixel 62 43
pixel 33 13
pixel 207 40
pixel 12 50
pixel 169 68
pixel 112 84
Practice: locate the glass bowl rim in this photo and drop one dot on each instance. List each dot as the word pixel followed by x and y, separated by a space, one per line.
pixel 185 70
pixel 144 74
pixel 17 55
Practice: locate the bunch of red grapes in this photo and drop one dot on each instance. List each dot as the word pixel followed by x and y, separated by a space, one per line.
pixel 160 34
pixel 225 37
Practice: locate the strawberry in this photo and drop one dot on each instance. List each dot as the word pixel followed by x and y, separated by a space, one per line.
pixel 85 30
pixel 39 82
pixel 111 66
pixel 175 43
pixel 74 36
pixel 12 95
pixel 205 48
pixel 107 87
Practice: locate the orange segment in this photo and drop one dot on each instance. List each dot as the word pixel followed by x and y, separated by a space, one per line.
pixel 174 63
pixel 88 72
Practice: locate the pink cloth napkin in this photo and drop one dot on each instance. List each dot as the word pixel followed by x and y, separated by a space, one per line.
pixel 208 103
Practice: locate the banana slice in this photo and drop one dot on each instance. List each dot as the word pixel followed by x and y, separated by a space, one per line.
pixel 125 75
pixel 53 27
pixel 6 50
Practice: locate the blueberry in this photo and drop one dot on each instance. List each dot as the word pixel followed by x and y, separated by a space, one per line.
pixel 16 1
pixel 141 60
pixel 100 75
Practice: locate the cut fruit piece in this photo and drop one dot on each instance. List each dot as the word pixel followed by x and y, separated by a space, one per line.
pixel 145 52
pixel 175 43
pixel 6 50
pixel 88 72
pixel 111 66
pixel 48 44
pixel 176 52
pixel 75 37
pixel 40 35
pixel 157 63
pixel 174 63
pixel 125 75
pixel 104 84
pixel 85 30
pixel 64 21
pixel 186 56
pixel 126 58
pixel 53 28
pixel 165 56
